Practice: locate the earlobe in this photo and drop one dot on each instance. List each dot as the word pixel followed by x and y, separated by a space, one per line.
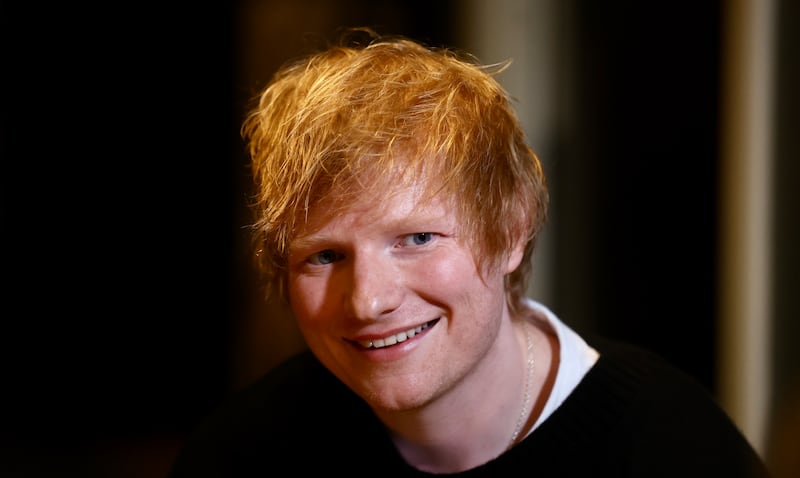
pixel 515 256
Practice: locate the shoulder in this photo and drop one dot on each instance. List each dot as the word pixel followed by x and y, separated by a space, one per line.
pixel 648 382
pixel 641 383
pixel 297 405
pixel 651 417
pixel 277 395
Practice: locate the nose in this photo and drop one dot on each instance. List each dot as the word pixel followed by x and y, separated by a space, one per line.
pixel 375 286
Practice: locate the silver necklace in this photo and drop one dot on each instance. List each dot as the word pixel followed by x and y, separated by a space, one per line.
pixel 527 394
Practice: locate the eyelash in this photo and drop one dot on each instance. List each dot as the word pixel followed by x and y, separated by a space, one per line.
pixel 427 235
pixel 408 240
pixel 314 259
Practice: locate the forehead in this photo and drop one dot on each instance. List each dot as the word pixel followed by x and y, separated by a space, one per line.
pixel 370 197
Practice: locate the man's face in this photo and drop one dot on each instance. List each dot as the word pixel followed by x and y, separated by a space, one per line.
pixel 387 295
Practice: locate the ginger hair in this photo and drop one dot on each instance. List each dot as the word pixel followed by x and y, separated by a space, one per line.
pixel 368 109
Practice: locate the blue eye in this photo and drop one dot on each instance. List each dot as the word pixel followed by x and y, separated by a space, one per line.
pixel 420 238
pixel 327 256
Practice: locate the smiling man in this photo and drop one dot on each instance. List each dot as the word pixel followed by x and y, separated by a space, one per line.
pixel 397 209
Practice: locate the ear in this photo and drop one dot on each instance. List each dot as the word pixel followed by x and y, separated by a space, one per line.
pixel 516 254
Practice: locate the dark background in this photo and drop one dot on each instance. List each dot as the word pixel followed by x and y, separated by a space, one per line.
pixel 124 188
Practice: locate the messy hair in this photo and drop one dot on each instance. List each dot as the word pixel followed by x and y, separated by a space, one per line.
pixel 389 104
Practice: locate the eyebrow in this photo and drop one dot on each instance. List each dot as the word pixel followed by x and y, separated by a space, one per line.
pixel 410 222
pixel 308 241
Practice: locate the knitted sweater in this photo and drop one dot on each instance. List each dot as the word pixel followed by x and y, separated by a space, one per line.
pixel 632 415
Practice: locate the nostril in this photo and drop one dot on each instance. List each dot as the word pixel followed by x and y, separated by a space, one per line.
pixel 367 303
pixel 374 289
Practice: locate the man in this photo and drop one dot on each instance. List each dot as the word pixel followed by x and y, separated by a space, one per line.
pixel 397 210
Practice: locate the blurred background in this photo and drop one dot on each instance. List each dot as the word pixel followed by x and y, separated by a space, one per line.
pixel 130 308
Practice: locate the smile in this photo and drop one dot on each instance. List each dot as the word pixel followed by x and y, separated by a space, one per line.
pixel 396 338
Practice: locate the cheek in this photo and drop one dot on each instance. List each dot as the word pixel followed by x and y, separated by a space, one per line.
pixel 452 275
pixel 307 299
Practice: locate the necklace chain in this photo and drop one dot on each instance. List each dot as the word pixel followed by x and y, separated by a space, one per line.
pixel 527 394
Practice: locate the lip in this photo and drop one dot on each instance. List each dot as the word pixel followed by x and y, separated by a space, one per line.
pixel 376 342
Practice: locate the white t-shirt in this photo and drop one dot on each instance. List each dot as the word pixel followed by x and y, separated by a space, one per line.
pixel 576 358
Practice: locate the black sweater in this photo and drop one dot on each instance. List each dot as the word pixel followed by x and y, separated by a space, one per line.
pixel 632 415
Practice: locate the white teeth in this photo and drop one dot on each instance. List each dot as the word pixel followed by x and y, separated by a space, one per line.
pixel 393 339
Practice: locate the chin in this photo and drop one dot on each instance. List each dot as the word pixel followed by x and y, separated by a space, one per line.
pixel 395 398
